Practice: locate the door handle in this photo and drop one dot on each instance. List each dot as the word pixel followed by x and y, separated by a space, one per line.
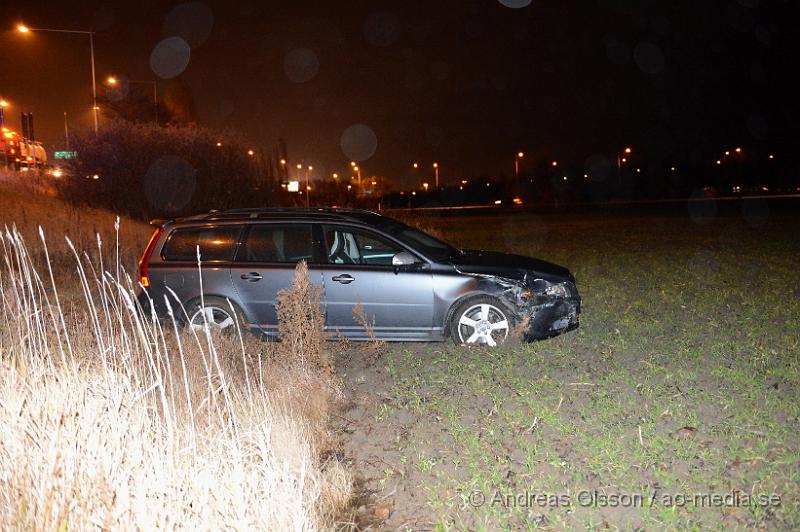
pixel 345 278
pixel 252 277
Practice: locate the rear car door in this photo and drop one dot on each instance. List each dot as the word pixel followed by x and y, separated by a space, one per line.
pixel 176 264
pixel 358 270
pixel 265 263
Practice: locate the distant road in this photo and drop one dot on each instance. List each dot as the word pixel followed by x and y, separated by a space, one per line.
pixel 615 203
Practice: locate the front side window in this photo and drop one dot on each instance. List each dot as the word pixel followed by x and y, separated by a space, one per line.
pixel 344 245
pixel 289 243
pixel 216 243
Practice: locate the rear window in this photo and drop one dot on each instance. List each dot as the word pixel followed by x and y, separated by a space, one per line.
pixel 216 243
pixel 289 243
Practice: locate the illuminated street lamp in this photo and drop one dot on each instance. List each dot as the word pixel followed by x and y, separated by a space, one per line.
pixel 3 105
pixel 219 144
pixel 22 28
pixel 738 150
pixel 308 187
pixel 519 156
pixel 436 172
pixel 250 153
pixel 554 164
pixel 425 186
pixel 283 162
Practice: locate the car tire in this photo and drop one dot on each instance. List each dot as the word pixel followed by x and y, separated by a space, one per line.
pixel 481 320
pixel 216 311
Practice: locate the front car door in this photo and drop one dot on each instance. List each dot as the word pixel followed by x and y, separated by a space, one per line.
pixel 265 263
pixel 358 270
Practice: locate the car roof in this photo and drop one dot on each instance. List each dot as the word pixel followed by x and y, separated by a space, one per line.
pixel 284 213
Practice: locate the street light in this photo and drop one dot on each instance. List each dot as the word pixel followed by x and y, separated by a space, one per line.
pixel 519 156
pixel 554 164
pixel 436 172
pixel 425 186
pixel 250 153
pixel 415 165
pixel 3 105
pixel 22 28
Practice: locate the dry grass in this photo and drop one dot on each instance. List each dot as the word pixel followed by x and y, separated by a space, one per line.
pixel 375 347
pixel 111 419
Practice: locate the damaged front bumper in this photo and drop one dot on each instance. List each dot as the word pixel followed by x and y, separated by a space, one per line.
pixel 552 318
pixel 549 309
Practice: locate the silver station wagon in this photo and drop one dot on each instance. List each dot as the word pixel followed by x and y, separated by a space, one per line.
pixel 410 284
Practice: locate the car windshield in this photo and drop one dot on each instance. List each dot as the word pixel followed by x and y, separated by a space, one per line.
pixel 429 246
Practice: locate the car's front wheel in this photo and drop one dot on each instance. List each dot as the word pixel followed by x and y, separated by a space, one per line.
pixel 482 320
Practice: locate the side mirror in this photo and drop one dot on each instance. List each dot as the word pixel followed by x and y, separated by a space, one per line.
pixel 404 258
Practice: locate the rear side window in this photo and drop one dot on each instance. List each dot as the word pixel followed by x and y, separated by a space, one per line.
pixel 216 243
pixel 289 243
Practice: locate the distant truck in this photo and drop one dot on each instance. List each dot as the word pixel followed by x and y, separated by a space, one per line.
pixel 19 153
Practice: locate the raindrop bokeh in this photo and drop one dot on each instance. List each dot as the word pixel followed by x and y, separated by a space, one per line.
pixel 755 212
pixel 382 28
pixel 301 65
pixel 170 57
pixel 191 21
pixel 648 58
pixel 359 142
pixel 616 50
pixel 515 4
pixel 702 210
pixel 170 183
pixel 598 167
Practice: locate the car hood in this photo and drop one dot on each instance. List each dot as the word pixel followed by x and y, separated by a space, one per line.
pixel 509 266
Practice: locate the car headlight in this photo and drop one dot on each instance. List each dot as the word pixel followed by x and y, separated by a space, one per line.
pixel 556 290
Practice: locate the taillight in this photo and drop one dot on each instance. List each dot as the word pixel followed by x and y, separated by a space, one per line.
pixel 148 252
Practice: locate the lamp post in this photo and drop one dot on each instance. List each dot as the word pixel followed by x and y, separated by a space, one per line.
pixel 519 156
pixel 622 159
pixel 113 81
pixel 358 171
pixel 25 29
pixel 3 105
pixel 308 187
pixel 436 173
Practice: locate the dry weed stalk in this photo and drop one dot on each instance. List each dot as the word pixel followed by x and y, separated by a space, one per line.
pixel 375 346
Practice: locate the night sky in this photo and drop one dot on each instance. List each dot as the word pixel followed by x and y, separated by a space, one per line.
pixel 465 83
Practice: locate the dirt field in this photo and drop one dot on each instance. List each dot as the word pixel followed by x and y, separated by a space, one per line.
pixel 674 405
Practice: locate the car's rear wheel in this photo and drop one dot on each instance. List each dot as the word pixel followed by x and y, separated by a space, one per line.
pixel 216 313
pixel 482 320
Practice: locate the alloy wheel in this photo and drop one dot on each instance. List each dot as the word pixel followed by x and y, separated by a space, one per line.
pixel 483 324
pixel 218 319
